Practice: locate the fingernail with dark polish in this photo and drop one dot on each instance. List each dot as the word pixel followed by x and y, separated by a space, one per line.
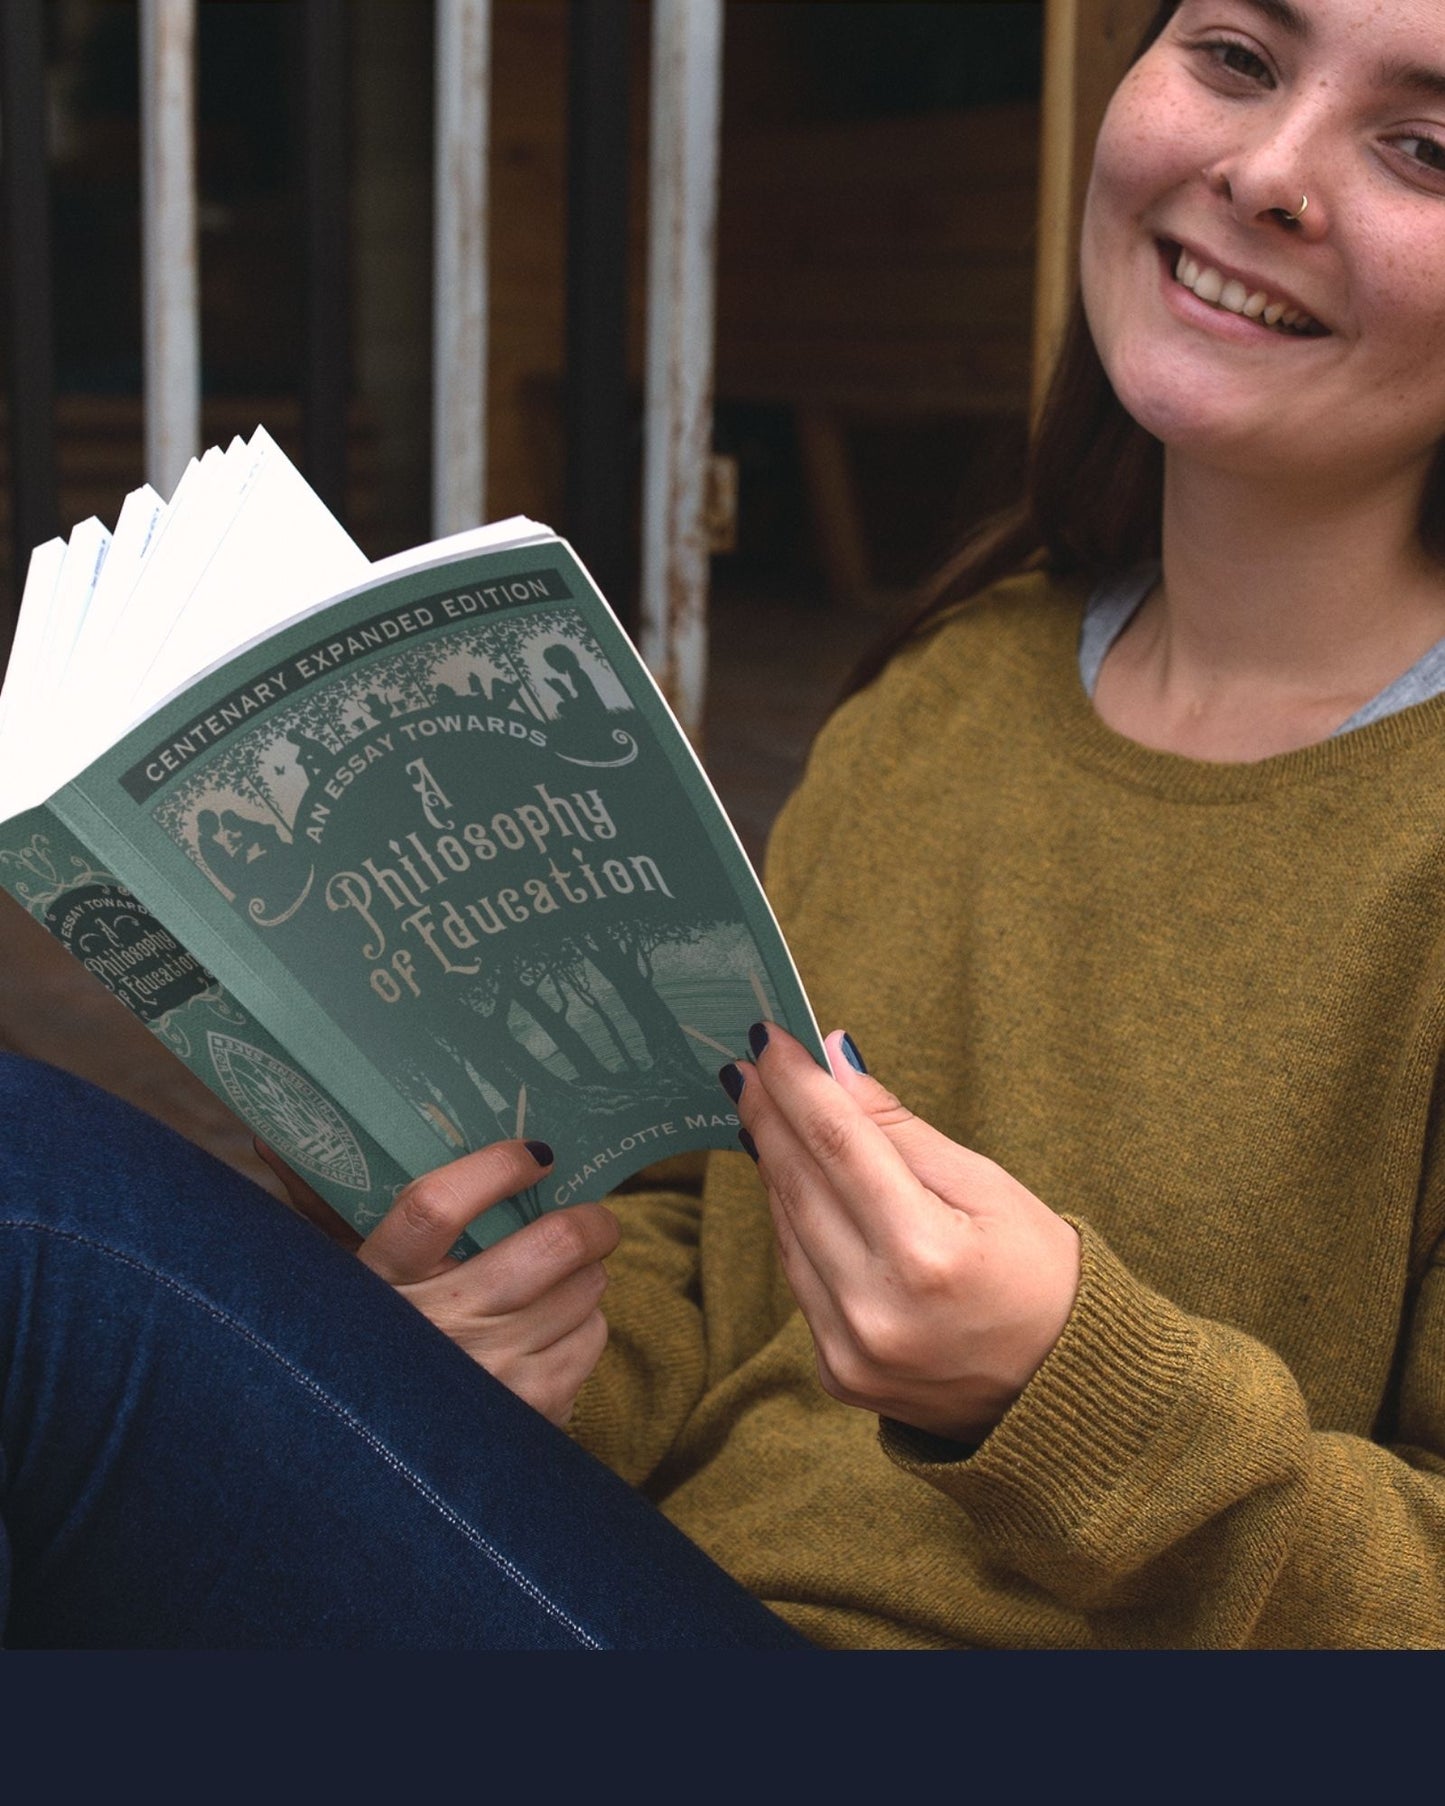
pixel 852 1055
pixel 749 1146
pixel 540 1152
pixel 757 1038
pixel 731 1080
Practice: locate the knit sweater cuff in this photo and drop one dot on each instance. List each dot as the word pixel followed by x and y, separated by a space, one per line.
pixel 1082 1427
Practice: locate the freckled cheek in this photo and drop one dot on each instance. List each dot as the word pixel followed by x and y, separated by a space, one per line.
pixel 1112 201
pixel 1114 176
pixel 1143 142
pixel 1094 267
pixel 1395 271
pixel 1402 317
pixel 1109 265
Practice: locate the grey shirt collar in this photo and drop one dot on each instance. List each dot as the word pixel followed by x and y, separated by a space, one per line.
pixel 1112 606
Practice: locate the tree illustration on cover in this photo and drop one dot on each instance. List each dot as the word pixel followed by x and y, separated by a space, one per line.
pixel 587 1006
pixel 464 831
pixel 585 1019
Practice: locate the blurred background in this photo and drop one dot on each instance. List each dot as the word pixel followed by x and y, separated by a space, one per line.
pixel 878 267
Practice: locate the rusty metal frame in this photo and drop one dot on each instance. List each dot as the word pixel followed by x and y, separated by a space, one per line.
pixel 683 181
pixel 171 310
pixel 459 301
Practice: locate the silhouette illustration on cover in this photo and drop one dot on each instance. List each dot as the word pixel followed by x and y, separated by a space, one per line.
pixel 576 704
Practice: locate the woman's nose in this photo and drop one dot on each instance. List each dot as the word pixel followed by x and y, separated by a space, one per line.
pixel 1274 180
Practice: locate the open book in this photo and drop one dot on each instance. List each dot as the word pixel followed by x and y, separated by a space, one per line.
pixel 399 859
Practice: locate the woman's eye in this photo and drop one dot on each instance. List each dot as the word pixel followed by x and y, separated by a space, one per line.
pixel 1428 152
pixel 1239 59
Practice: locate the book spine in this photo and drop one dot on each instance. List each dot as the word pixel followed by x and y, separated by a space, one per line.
pixel 58 881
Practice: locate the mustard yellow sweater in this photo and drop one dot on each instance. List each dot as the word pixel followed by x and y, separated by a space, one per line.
pixel 1199 1010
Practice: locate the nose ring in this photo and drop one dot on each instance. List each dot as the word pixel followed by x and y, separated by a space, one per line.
pixel 1295 218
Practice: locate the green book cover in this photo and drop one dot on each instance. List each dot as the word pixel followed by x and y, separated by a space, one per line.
pixel 432 866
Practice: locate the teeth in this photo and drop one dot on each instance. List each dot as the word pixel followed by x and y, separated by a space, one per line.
pixel 1209 286
pixel 1232 295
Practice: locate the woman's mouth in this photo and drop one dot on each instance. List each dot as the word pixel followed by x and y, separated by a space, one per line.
pixel 1232 296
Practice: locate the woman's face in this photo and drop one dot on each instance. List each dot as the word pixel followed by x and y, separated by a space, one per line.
pixel 1240 110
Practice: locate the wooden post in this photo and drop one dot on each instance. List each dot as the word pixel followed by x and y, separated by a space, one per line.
pixel 168 234
pixel 1087 47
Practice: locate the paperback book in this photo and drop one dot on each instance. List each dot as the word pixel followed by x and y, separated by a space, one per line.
pixel 398 858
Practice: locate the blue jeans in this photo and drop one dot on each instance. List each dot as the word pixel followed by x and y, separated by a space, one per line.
pixel 218 1430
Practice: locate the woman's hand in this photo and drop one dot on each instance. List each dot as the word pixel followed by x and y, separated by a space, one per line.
pixel 526 1309
pixel 934 1284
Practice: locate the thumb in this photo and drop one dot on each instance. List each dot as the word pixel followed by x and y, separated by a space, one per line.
pixel 930 1156
pixel 853 1075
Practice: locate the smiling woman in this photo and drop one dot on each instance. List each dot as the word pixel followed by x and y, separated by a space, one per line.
pixel 1108 1307
pixel 1264 278
pixel 1277 153
pixel 1252 384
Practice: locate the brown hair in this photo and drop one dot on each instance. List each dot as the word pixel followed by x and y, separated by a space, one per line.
pixel 1093 491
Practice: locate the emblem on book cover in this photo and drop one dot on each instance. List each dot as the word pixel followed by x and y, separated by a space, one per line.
pixel 126 948
pixel 301 1124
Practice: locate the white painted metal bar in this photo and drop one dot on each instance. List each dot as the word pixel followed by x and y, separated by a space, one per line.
pixel 683 180
pixel 172 333
pixel 459 300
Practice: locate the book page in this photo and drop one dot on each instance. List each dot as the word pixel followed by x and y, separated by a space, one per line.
pixel 280 551
pixel 42 574
pixel 137 530
pixel 87 551
pixel 203 500
pixel 516 530
pixel 49 703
